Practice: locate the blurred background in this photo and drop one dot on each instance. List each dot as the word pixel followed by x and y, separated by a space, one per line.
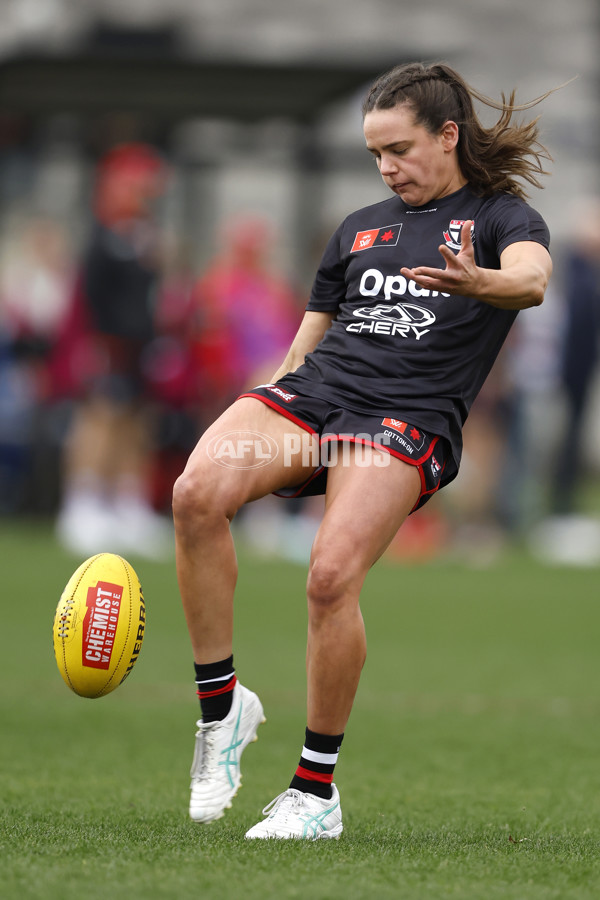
pixel 168 180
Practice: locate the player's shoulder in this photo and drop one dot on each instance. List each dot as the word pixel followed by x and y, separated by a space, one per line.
pixel 505 218
pixel 503 203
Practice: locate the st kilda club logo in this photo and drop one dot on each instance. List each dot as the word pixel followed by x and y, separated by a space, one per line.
pixel 386 236
pixel 452 235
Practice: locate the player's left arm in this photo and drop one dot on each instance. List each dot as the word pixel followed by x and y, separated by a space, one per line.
pixel 520 282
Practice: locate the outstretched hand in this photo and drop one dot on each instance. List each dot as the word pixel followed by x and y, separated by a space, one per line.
pixel 461 274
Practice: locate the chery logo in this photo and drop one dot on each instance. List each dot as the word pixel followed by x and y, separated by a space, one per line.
pixel 401 319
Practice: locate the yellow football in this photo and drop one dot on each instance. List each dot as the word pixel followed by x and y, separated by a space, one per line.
pixel 99 625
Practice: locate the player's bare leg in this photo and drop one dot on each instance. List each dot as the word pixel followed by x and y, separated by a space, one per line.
pixel 359 523
pixel 206 498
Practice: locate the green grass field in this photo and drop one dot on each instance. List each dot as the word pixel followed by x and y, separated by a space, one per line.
pixel 470 768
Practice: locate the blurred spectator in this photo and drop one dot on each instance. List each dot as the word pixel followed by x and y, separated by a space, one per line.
pixel 510 439
pixel 474 528
pixel 247 314
pixel 35 282
pixel 108 456
pixel 169 368
pixel 533 414
pixel 36 279
pixel 580 353
pixel 569 535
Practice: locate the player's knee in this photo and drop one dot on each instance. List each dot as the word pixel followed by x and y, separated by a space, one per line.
pixel 199 502
pixel 188 500
pixel 330 581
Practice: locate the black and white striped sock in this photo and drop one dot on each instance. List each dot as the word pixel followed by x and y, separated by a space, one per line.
pixel 314 774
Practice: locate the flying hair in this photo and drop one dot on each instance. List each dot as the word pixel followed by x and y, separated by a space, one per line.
pixel 492 159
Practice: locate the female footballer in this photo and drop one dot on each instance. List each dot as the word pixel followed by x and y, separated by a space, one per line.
pixel 410 306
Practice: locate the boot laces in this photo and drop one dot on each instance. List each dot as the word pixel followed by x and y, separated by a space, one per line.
pixel 289 801
pixel 205 751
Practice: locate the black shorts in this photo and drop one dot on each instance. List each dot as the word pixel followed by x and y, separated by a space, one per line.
pixel 330 424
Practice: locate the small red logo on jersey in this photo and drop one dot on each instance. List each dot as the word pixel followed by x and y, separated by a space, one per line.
pixel 386 236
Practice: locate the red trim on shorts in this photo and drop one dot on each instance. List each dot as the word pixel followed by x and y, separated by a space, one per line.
pixel 329 438
pixel 412 460
pixel 279 409
pixel 417 463
pixel 425 493
pixel 222 690
pixel 435 489
pixel 309 775
pixel 288 415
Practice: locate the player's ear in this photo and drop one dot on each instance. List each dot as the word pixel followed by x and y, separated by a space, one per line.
pixel 449 135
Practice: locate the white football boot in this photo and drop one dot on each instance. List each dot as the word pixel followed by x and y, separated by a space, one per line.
pixel 219 746
pixel 300 816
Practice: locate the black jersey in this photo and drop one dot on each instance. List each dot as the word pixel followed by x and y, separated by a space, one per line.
pixel 119 285
pixel 397 349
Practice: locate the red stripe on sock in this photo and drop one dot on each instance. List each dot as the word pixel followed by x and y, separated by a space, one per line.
pixel 222 690
pixel 309 775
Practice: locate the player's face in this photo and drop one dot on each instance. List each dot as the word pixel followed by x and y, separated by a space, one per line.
pixel 415 164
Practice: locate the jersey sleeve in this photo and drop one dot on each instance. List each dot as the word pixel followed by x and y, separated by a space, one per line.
pixel 329 286
pixel 511 220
